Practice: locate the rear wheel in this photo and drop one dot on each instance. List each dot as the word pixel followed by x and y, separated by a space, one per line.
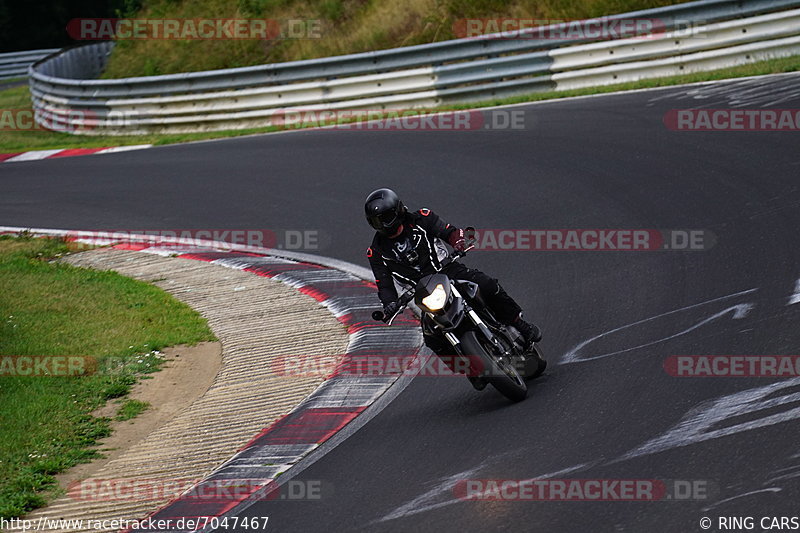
pixel 499 372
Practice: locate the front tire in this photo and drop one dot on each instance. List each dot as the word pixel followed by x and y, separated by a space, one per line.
pixel 502 375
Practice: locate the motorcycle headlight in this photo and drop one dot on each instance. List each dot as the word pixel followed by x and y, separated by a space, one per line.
pixel 436 299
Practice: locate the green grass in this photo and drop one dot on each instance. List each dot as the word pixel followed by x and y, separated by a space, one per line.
pixel 11 141
pixel 52 309
pixel 345 26
pixel 131 409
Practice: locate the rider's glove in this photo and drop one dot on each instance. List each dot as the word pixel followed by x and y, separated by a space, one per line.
pixel 390 308
pixel 457 241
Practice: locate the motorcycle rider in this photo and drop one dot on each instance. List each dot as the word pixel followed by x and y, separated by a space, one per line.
pixel 409 245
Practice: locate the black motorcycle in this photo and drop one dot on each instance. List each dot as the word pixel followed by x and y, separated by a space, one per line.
pixel 488 349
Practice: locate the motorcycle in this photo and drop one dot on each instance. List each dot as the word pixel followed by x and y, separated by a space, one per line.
pixel 454 310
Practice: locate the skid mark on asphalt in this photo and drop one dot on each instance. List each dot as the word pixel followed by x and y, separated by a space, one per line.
pixel 707 420
pixel 737 311
pixel 785 473
pixel 703 422
pixel 791 472
pixel 426 502
pixel 726 500
pixel 779 474
pixel 795 298
pixel 761 92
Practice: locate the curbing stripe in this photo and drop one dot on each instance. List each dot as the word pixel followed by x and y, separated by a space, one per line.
pixel 33 155
pixel 37 155
pixel 76 151
pixel 115 149
pixel 331 407
pixel 6 157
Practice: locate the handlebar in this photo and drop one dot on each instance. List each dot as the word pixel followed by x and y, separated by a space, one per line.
pixel 404 300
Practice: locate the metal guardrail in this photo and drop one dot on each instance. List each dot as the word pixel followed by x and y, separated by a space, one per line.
pixel 418 76
pixel 15 64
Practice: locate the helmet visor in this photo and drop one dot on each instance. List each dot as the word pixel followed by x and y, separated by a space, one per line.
pixel 384 221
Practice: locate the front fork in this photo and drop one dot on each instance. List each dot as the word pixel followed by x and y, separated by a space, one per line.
pixel 479 324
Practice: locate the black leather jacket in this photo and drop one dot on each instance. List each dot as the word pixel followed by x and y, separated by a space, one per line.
pixel 415 253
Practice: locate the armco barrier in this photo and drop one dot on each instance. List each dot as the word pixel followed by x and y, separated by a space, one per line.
pixel 15 64
pixel 700 35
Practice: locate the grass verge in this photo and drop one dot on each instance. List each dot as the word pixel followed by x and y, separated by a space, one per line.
pixel 324 28
pixel 18 98
pixel 131 409
pixel 51 309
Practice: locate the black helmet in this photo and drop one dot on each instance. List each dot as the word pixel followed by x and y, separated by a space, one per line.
pixel 384 211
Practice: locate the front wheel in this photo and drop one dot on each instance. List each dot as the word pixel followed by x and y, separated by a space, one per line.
pixel 500 373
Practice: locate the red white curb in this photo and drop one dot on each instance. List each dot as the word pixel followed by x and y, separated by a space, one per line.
pixel 37 155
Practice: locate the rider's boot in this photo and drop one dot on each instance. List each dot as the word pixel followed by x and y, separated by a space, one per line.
pixel 530 332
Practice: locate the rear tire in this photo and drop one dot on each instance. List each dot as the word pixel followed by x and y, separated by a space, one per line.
pixel 505 379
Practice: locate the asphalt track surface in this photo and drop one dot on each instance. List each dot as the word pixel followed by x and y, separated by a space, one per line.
pixel 606 162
